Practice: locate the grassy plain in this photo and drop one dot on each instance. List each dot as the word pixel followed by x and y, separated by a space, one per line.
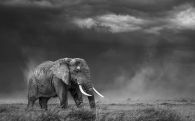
pixel 126 110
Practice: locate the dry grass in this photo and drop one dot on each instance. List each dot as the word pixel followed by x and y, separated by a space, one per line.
pixel 104 112
pixel 142 114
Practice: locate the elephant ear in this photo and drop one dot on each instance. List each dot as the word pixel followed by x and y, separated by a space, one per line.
pixel 61 70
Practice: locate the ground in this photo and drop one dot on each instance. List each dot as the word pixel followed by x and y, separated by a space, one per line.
pixel 124 110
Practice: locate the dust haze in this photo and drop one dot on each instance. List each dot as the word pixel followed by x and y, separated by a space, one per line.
pixel 167 81
pixel 135 50
pixel 169 77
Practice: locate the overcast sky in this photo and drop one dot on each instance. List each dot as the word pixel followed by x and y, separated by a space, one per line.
pixel 134 48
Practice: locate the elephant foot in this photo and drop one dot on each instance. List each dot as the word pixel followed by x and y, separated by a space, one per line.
pixel 80 106
pixel 44 107
pixel 29 109
pixel 64 106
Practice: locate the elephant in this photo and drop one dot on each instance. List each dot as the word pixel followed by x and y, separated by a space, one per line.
pixel 56 78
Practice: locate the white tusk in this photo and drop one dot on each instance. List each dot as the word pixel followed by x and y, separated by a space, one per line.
pixel 81 89
pixel 98 92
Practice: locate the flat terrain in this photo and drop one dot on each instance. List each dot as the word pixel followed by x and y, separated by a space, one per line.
pixel 127 110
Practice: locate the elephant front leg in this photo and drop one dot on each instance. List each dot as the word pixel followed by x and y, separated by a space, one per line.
pixel 62 92
pixel 91 98
pixel 63 101
pixel 77 96
pixel 43 102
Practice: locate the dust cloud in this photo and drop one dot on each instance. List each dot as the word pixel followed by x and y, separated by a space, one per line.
pixel 31 65
pixel 168 80
pixel 169 77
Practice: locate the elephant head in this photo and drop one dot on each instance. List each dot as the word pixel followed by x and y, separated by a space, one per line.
pixel 80 73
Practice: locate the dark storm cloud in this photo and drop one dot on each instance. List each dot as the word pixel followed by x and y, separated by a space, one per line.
pixel 150 5
pixel 91 7
pixel 33 33
pixel 131 46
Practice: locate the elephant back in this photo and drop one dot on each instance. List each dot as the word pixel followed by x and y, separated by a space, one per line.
pixel 43 70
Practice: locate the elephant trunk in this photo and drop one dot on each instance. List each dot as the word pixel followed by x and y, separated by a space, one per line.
pixel 89 90
pixel 88 87
pixel 91 98
pixel 89 93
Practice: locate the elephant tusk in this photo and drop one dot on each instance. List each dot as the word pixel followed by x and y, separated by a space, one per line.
pixel 98 92
pixel 81 89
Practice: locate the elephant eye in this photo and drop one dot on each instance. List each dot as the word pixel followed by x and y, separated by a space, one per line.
pixel 77 70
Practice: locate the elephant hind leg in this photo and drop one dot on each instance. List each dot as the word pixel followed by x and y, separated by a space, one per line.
pixel 31 101
pixel 43 102
pixel 32 92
